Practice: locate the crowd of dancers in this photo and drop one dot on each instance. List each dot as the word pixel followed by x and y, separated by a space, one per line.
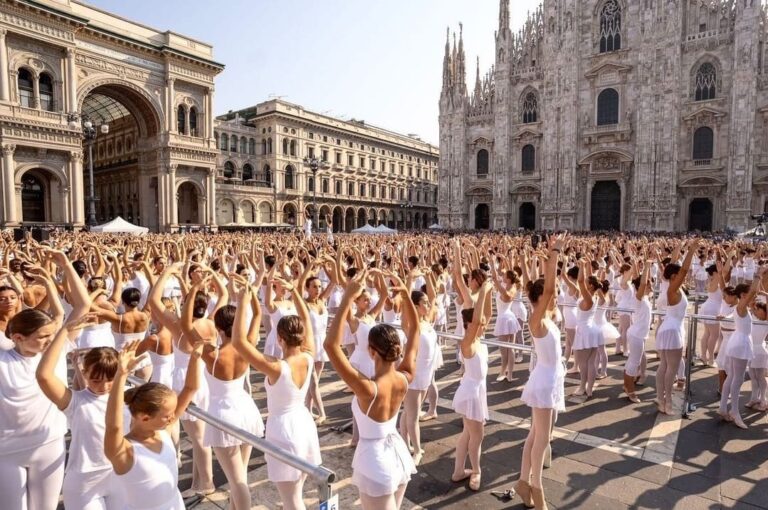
pixel 187 314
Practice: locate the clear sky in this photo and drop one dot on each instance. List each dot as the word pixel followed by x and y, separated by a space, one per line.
pixel 376 60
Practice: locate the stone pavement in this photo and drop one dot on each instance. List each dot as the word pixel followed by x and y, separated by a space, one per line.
pixel 606 452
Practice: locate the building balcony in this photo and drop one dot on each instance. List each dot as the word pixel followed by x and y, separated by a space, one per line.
pixel 621 132
pixel 702 165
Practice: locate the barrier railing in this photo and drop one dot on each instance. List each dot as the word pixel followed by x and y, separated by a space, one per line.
pixel 322 476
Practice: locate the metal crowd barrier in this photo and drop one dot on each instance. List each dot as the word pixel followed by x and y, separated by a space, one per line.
pixel 322 476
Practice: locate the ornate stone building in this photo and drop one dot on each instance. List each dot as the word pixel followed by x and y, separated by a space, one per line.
pixel 611 114
pixel 372 175
pixel 63 62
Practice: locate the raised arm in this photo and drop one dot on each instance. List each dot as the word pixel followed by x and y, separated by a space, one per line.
pixel 678 279
pixel 411 328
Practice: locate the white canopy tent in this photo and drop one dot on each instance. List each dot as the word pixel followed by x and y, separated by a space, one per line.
pixel 383 229
pixel 435 226
pixel 365 229
pixel 119 225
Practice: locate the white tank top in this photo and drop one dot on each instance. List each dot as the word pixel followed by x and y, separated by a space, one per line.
pixel 152 482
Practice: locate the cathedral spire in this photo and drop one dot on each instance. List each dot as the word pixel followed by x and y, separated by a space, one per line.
pixel 478 85
pixel 447 64
pixel 461 68
pixel 503 16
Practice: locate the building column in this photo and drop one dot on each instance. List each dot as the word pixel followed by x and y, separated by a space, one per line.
pixel 173 198
pixel 36 92
pixel 210 189
pixel 71 81
pixel 4 83
pixel 187 127
pixel 171 113
pixel 162 200
pixel 208 106
pixel 9 188
pixel 77 192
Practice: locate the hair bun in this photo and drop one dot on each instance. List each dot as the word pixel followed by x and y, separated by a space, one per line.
pixel 130 395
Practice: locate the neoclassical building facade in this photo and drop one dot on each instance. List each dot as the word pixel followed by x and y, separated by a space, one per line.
pixel 371 175
pixel 611 114
pixel 149 97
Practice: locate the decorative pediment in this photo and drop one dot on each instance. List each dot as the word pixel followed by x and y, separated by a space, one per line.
pixel 525 189
pixel 704 116
pixel 482 142
pixel 608 69
pixel 701 181
pixel 603 158
pixel 478 191
pixel 527 133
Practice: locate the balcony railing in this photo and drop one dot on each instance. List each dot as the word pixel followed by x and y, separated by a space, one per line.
pixel 702 162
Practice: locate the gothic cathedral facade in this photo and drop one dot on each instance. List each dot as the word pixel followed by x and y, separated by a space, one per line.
pixel 636 115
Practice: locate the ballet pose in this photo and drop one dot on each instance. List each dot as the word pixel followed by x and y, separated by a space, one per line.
pixel 638 331
pixel 144 459
pixel 670 335
pixel 470 400
pixel 713 287
pixel 544 392
pixel 506 326
pixel 382 466
pixel 589 336
pixel 758 367
pixel 290 425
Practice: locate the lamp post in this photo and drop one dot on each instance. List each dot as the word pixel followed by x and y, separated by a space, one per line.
pixel 90 132
pixel 315 164
pixel 406 206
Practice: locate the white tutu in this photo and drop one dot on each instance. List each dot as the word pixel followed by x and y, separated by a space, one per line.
pixel 471 399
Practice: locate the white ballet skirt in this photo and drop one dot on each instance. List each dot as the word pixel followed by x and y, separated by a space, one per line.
pixel 361 358
pixel 459 329
pixel 441 318
pixel 625 299
pixel 180 364
pixel 712 306
pixel 290 425
pixel 506 321
pixel 471 398
pixel 162 368
pixel 271 347
pixel 123 338
pixel 382 462
pixel 588 334
pixel 726 329
pixel 609 330
pixel 760 359
pixel 570 310
pixel 426 358
pixel 545 388
pixel 518 307
pixel 671 333
pixel 740 345
pixel 99 335
pixel 320 330
pixel 229 402
pixel 337 294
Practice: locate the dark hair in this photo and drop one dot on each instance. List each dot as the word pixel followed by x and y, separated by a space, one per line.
pixel 711 270
pixel 192 269
pixel 309 281
pixel 80 267
pixel 147 398
pixel 5 288
pixel 385 342
pixel 27 322
pixel 484 266
pixel 671 270
pixel 417 296
pixel 636 283
pixel 535 290
pixel 269 261
pixel 131 297
pixel 741 289
pixel 15 265
pixel 96 283
pixel 479 275
pixel 573 272
pixel 101 362
pixel 466 316
pixel 624 268
pixel 200 306
pixel 351 272
pixel 215 264
pixel 593 282
pixel 155 260
pixel 512 277
pixel 762 306
pixel 413 260
pixel 291 329
pixel 224 319
pixel 729 290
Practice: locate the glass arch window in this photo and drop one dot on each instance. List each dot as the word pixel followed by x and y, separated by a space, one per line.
pixel 610 26
pixel 46 92
pixel 530 108
pixel 528 159
pixel 608 107
pixel 229 170
pixel 703 144
pixel 706 80
pixel 26 88
pixel 482 163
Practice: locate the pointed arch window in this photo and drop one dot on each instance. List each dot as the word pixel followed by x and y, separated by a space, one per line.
pixel 269 146
pixel 610 26
pixel 263 146
pixel 181 120
pixel 530 108
pixel 706 82
pixel 703 144
pixel 46 92
pixel 482 163
pixel 26 88
pixel 268 174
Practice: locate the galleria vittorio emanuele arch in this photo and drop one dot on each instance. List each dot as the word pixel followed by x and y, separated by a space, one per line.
pixel 145 97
